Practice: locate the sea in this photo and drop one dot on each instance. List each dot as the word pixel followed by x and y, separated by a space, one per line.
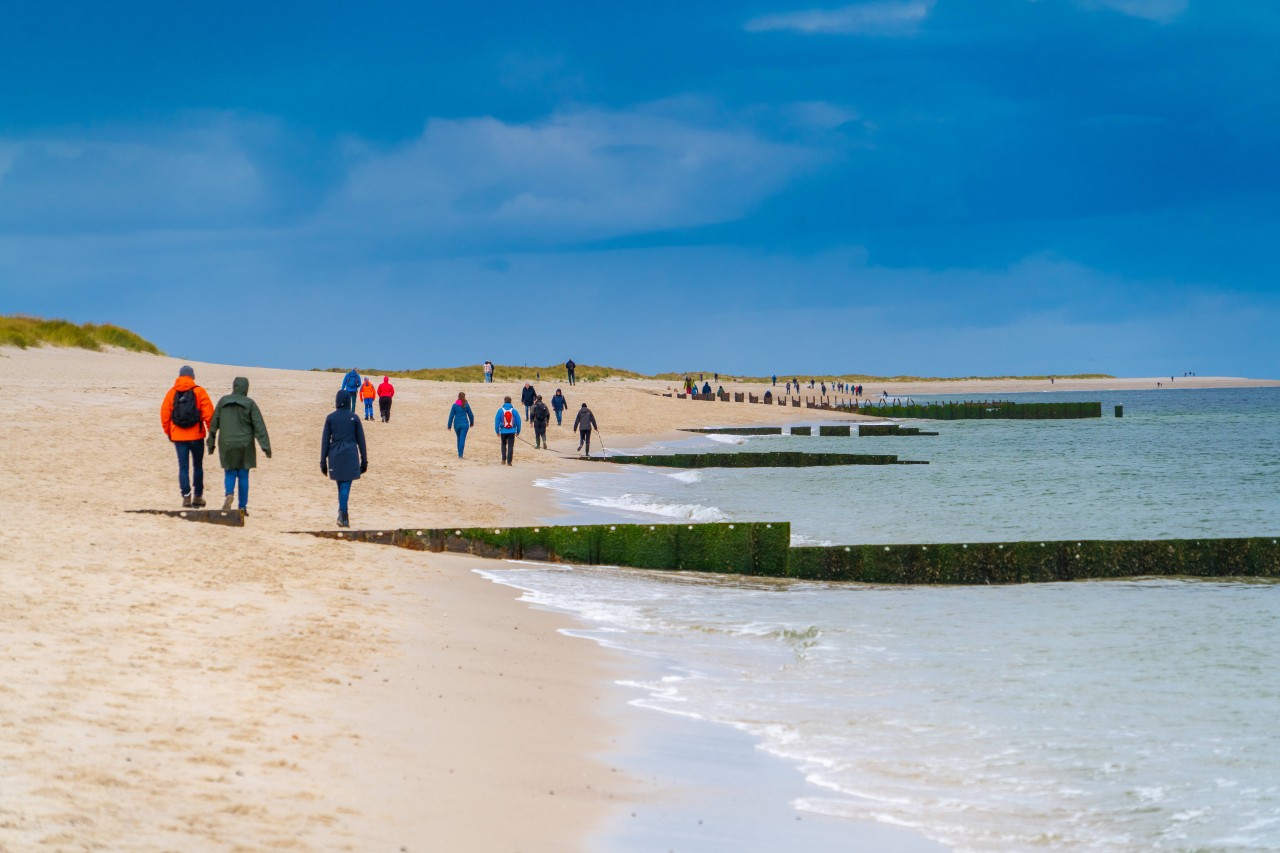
pixel 1118 715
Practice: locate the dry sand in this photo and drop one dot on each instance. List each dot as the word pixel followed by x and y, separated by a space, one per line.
pixel 176 686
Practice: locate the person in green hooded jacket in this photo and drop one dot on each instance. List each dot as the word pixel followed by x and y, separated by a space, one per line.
pixel 239 420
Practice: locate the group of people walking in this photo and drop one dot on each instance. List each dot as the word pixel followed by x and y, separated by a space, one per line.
pixel 195 425
pixel 364 389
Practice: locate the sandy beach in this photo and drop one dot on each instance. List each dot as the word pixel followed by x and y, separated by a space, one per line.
pixel 179 686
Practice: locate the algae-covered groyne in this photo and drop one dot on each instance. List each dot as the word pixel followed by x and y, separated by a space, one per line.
pixel 764 549
pixel 777 459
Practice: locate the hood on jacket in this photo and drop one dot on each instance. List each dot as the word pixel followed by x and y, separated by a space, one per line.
pixel 240 385
pixel 342 401
pixel 184 383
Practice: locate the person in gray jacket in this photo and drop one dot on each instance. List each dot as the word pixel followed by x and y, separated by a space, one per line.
pixel 584 423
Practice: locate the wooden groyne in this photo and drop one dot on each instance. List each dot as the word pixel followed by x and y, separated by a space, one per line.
pixel 231 518
pixel 764 549
pixel 1037 562
pixel 990 410
pixel 749 548
pixel 949 411
pixel 777 459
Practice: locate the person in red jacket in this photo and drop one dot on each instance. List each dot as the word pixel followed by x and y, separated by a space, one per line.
pixel 385 392
pixel 184 417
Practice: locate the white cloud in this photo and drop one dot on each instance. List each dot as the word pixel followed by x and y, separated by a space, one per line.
pixel 192 175
pixel 881 17
pixel 585 174
pixel 1162 11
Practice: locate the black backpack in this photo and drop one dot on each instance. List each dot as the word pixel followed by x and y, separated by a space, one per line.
pixel 186 412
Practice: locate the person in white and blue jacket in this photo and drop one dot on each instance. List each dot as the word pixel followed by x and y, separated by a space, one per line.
pixel 507 425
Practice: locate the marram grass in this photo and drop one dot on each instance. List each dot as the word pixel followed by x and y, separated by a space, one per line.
pixel 18 330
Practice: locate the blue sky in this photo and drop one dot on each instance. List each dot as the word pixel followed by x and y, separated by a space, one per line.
pixel 896 186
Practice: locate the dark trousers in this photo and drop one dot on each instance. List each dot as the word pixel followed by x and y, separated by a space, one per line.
pixel 384 408
pixel 190 454
pixel 539 435
pixel 584 440
pixel 508 446
pixel 572 379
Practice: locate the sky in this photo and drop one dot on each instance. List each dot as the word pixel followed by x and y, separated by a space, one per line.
pixel 930 187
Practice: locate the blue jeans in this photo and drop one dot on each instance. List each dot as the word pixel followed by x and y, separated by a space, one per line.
pixel 368 408
pixel 462 439
pixel 229 479
pixel 190 454
pixel 559 416
pixel 344 493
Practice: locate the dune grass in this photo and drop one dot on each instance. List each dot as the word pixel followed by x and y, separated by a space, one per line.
pixel 20 330
pixel 595 373
pixel 503 373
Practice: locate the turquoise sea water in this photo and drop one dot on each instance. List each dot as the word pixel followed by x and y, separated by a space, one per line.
pixel 1117 715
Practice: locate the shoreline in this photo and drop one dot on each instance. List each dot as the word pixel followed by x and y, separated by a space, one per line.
pixel 178 684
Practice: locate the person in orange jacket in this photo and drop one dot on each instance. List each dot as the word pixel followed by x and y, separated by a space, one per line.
pixel 184 417
pixel 368 393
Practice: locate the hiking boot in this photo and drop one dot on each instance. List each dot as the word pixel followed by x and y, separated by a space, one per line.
pixel 186 500
pixel 244 512
pixel 197 502
pixel 343 520
pixel 227 502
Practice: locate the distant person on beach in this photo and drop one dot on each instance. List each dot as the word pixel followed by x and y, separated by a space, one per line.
pixel 343 454
pixel 351 384
pixel 488 371
pixel 559 404
pixel 184 416
pixel 569 368
pixel 507 425
pixel 824 389
pixel 768 396
pixel 240 422
pixel 584 423
pixel 706 387
pixel 716 378
pixel 774 379
pixel 527 396
pixel 385 392
pixel 541 416
pixel 368 393
pixel 461 419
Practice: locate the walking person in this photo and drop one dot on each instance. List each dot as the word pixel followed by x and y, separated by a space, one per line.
pixel 507 425
pixel 527 396
pixel 540 416
pixel 184 416
pixel 461 419
pixel 351 384
pixel 385 392
pixel 559 404
pixel 239 420
pixel 343 455
pixel 368 393
pixel 569 368
pixel 584 423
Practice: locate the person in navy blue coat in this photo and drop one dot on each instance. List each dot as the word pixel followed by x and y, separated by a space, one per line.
pixel 343 455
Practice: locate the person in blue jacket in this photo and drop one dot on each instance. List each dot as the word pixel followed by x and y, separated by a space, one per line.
pixel 706 387
pixel 507 425
pixel 559 404
pixel 351 384
pixel 461 419
pixel 343 455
